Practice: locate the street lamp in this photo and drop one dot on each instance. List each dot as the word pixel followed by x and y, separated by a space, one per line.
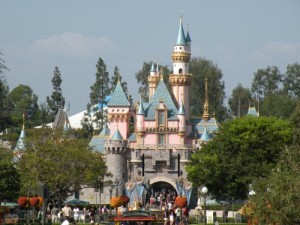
pixel 204 191
pixel 180 182
pixel 110 189
pixel 116 184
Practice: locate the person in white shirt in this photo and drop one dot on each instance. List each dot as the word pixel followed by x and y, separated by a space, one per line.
pixel 76 214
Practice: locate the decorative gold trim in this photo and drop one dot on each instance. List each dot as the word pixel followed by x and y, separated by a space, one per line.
pixel 181 56
pixel 180 79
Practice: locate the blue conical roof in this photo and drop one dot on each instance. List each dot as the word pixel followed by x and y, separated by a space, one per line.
pixel 205 135
pixel 152 67
pixel 252 111
pixel 118 98
pixel 20 143
pixel 117 136
pixel 181 37
pixel 188 38
pixel 141 108
pixel 181 110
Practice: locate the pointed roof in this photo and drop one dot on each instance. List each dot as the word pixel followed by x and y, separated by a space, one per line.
pixel 181 110
pixel 205 136
pixel 118 98
pixel 181 37
pixel 21 141
pixel 117 136
pixel 152 67
pixel 161 93
pixel 252 111
pixel 20 145
pixel 97 141
pixel 141 108
pixel 187 37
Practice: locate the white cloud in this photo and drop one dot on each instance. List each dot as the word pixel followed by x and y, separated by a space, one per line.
pixel 74 44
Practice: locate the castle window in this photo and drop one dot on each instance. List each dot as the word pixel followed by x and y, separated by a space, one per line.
pixel 161 118
pixel 161 139
pixel 180 71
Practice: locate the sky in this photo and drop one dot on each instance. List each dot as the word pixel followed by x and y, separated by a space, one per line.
pixel 239 36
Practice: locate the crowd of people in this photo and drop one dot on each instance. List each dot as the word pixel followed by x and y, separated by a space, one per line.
pixel 72 215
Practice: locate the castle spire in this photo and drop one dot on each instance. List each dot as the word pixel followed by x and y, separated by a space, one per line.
pixel 181 37
pixel 205 108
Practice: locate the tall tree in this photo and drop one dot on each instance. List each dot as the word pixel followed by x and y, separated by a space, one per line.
pixel 291 82
pixel 56 101
pixel 24 101
pixel 99 90
pixel 10 179
pixel 201 68
pixel 3 67
pixel 266 81
pixel 241 151
pixel 240 100
pixel 278 104
pixel 5 104
pixel 62 163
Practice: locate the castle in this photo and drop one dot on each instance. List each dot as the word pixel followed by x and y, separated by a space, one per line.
pixel 165 136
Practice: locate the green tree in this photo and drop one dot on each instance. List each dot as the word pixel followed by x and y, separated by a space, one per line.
pixel 266 81
pixel 3 67
pixel 242 150
pixel 291 81
pixel 142 78
pixel 10 180
pixel 24 101
pixel 278 104
pixel 201 68
pixel 5 104
pixel 240 100
pixel 99 90
pixel 56 101
pixel 64 164
pixel 277 196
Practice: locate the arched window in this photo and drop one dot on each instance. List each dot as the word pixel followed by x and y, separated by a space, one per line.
pixel 180 71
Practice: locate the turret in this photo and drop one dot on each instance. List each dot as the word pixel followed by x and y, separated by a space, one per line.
pixel 140 117
pixel 182 120
pixel 180 80
pixel 115 149
pixel 153 80
pixel 118 112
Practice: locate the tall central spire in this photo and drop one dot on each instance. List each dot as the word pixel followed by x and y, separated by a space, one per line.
pixel 205 108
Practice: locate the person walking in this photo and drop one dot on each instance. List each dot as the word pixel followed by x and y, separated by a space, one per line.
pixel 166 216
pixel 54 214
pixel 67 211
pixel 76 214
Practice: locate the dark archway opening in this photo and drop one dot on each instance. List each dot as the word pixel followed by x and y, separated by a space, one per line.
pixel 163 193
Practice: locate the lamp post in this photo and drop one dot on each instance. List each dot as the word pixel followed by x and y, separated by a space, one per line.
pixel 116 185
pixel 111 187
pixel 204 191
pixel 180 182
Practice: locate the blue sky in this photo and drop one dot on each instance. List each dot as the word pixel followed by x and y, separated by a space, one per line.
pixel 239 36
